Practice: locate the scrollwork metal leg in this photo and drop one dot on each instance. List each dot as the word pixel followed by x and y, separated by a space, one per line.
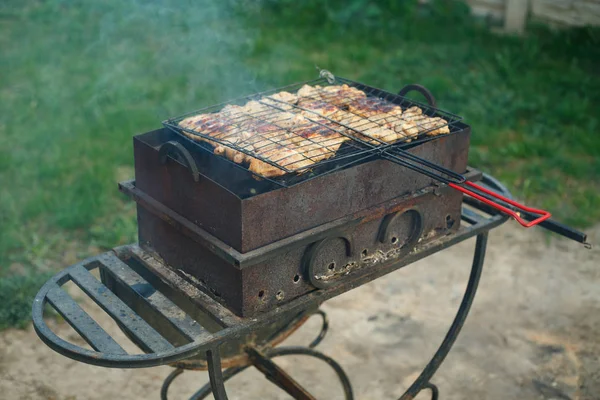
pixel 423 380
pixel 435 393
pixel 324 329
pixel 165 386
pixel 218 377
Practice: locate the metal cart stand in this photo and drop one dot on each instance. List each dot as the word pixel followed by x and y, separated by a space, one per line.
pixel 147 297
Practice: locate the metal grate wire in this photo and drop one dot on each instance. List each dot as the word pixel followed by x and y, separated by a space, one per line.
pixel 272 131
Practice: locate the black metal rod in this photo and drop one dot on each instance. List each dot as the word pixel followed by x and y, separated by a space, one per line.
pixel 423 380
pixel 420 165
pixel 563 230
pixel 277 375
pixel 167 383
pixel 215 374
pixel 231 372
pixel 323 332
pixel 435 393
pixel 297 350
pixel 207 389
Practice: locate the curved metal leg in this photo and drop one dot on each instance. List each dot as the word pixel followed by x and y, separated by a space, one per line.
pixel 215 374
pixel 218 377
pixel 324 329
pixel 293 350
pixel 165 386
pixel 435 393
pixel 227 375
pixel 423 380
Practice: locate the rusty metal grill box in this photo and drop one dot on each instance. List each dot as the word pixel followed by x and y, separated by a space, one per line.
pixel 247 243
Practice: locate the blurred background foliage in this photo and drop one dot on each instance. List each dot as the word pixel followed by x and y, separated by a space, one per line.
pixel 79 78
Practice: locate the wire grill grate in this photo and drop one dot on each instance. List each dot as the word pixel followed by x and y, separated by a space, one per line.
pixel 304 126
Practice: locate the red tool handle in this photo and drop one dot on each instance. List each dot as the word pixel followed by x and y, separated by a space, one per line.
pixel 544 215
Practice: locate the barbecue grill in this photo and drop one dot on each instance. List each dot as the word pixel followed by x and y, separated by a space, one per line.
pixel 231 261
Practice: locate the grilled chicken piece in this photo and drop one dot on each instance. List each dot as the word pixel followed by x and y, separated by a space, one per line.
pixel 318 140
pixel 342 95
pixel 409 129
pixel 375 108
pixel 214 125
pixel 365 129
pixel 311 92
pixel 436 125
pixel 286 97
pixel 316 107
pixel 414 110
pixel 283 156
pixel 338 95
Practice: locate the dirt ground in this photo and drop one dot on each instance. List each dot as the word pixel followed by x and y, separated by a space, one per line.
pixel 533 333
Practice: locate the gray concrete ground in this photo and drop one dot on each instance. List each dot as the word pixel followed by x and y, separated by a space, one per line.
pixel 533 333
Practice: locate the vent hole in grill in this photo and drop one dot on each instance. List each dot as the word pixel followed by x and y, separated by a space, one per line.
pixel 261 294
pixel 394 240
pixel 331 266
pixel 280 295
pixel 296 278
pixel 364 253
pixel 449 221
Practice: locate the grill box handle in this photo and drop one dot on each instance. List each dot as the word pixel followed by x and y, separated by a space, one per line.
pixel 421 89
pixel 178 152
pixel 530 217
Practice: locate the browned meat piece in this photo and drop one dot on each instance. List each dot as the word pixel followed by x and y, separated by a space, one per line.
pixel 215 125
pixel 338 95
pixel 375 108
pixel 282 156
pixel 285 97
pixel 365 129
pixel 341 95
pixel 318 140
pixel 307 91
pixel 414 110
pixel 435 126
pixel 313 107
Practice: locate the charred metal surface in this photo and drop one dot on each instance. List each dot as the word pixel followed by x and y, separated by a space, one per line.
pixel 246 214
pixel 253 282
pixel 286 274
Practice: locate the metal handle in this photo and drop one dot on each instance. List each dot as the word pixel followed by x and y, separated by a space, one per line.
pixel 531 216
pixel 173 149
pixel 541 218
pixel 543 215
pixel 566 231
pixel 421 89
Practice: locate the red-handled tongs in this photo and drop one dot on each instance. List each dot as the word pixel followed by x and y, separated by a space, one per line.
pixel 526 216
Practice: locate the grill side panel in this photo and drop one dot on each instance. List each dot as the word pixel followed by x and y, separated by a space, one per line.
pixel 282 213
pixel 252 222
pixel 207 204
pixel 193 262
pixel 373 243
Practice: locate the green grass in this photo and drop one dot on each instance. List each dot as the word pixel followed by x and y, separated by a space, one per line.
pixel 79 78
